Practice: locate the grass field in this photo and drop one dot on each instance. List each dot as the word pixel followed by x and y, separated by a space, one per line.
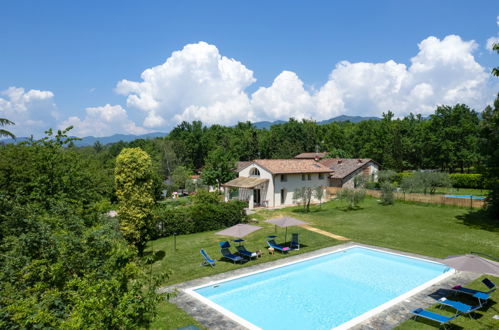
pixel 432 230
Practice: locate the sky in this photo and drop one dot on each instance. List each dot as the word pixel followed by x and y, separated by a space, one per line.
pixel 133 67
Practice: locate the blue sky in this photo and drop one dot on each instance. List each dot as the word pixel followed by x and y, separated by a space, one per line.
pixel 58 59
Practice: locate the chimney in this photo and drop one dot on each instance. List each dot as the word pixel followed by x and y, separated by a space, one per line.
pixel 340 161
pixel 317 158
pixel 359 160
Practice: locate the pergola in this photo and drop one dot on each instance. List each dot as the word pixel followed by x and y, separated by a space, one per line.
pixel 246 186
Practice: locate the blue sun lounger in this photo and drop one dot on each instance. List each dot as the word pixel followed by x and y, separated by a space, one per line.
pixel 441 319
pixel 276 246
pixel 207 260
pixel 229 255
pixel 245 253
pixel 480 295
pixel 459 306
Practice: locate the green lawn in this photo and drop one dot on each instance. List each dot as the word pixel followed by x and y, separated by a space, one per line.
pixel 431 230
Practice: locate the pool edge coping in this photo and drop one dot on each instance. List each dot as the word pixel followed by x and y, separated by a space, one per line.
pixel 221 314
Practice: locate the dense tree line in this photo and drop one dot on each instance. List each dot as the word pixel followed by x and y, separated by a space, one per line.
pixel 64 263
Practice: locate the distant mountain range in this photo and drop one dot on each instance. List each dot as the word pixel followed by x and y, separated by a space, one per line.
pixel 90 140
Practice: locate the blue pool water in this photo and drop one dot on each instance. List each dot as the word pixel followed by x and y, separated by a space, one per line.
pixel 323 292
pixel 464 196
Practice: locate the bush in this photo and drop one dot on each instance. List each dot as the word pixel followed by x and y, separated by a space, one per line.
pixel 387 176
pixel 372 185
pixel 353 197
pixel 198 217
pixel 387 196
pixel 462 180
pixel 399 177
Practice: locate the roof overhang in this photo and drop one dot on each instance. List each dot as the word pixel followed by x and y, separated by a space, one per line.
pixel 245 182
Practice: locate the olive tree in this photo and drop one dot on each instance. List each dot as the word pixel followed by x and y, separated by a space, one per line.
pixel 134 189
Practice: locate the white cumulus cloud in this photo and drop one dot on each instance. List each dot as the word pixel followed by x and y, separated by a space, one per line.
pixel 198 83
pixel 194 83
pixel 32 111
pixel 103 121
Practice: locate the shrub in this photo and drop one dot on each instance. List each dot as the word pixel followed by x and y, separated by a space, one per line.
pixel 198 217
pixel 387 196
pixel 353 197
pixel 425 182
pixel 463 180
pixel 399 177
pixel 386 176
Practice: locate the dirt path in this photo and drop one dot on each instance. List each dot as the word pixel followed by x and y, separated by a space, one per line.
pixel 325 233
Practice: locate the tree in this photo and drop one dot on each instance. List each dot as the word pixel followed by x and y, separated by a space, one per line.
pixel 387 196
pixel 426 182
pixel 303 196
pixel 180 176
pixel 353 197
pixel 134 185
pixel 490 134
pixel 319 194
pixel 219 168
pixel 3 132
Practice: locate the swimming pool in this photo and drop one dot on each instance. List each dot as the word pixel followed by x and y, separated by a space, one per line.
pixel 338 289
pixel 464 196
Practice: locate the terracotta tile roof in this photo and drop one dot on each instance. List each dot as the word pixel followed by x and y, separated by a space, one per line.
pixel 283 166
pixel 311 155
pixel 344 166
pixel 242 165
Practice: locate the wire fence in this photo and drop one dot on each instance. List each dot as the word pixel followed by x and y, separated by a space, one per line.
pixel 421 198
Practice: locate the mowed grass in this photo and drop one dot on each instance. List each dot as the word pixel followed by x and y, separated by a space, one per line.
pixel 431 230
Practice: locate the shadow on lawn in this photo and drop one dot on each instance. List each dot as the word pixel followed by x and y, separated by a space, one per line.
pixel 479 219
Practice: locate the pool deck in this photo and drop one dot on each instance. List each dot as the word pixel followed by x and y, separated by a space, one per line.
pixel 387 319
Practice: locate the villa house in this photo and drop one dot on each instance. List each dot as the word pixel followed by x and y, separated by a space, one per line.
pixel 272 182
pixel 344 170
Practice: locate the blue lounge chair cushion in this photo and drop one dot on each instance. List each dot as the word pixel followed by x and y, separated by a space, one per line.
pixel 459 306
pixel 242 250
pixel 227 254
pixel 491 285
pixel 433 316
pixel 276 246
pixel 224 245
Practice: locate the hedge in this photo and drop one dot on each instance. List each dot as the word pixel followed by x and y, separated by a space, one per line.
pixel 462 180
pixel 197 218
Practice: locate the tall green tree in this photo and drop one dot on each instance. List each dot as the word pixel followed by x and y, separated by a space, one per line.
pixel 3 132
pixel 490 134
pixel 219 168
pixel 134 189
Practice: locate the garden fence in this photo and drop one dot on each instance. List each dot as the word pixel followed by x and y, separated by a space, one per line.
pixel 420 198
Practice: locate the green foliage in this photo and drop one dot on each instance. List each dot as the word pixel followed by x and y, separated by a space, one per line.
pixel 400 176
pixel 425 182
pixel 64 265
pixel 180 176
pixel 352 197
pixel 490 134
pixel 205 197
pixel 3 132
pixel 464 180
pixel 359 181
pixel 387 196
pixel 205 215
pixel 219 167
pixel 303 196
pixel 134 189
pixel 387 176
pixel 319 194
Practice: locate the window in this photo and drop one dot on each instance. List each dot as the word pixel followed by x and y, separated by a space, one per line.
pixel 321 176
pixel 284 178
pixel 254 172
pixel 309 176
pixel 303 177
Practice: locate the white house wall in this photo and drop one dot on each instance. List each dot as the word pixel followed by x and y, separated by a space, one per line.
pixel 266 194
pixel 293 182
